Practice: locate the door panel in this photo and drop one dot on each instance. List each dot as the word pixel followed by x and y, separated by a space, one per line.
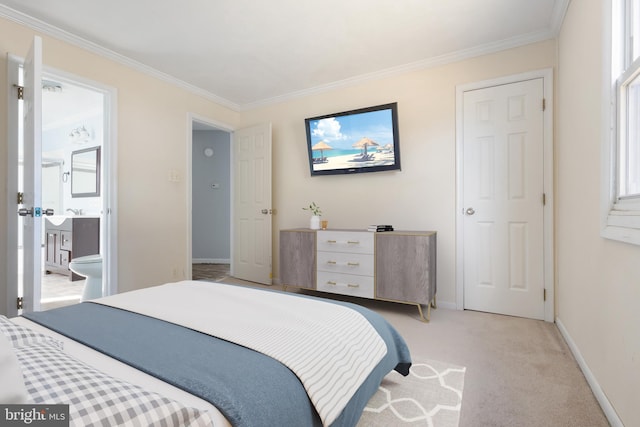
pixel 32 224
pixel 14 171
pixel 502 197
pixel 252 204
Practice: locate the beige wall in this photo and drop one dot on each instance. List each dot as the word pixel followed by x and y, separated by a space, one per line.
pixel 152 137
pixel 420 197
pixel 598 280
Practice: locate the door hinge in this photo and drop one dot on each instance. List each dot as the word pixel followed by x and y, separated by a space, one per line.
pixel 20 91
pixel 544 295
pixel 544 199
pixel 544 104
pixel 19 303
pixel 20 198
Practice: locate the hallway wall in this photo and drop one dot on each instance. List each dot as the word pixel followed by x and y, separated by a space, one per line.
pixel 211 207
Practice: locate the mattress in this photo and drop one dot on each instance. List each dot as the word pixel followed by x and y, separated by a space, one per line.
pixel 226 391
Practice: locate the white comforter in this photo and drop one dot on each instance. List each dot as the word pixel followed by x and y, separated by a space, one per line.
pixel 331 348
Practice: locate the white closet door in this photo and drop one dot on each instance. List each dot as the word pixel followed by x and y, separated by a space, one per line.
pixel 502 194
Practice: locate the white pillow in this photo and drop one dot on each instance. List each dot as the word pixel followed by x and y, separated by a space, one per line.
pixel 13 389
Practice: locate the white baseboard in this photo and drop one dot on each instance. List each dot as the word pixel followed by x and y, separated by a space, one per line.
pixel 211 261
pixel 446 304
pixel 606 406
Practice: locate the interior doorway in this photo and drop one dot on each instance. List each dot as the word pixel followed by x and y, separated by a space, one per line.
pixel 77 116
pixel 210 201
pixel 250 206
pixel 73 122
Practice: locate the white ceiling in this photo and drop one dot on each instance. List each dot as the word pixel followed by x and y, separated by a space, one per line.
pixel 245 53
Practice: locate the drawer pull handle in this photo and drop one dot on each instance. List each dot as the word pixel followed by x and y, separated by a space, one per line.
pixel 353 242
pixel 331 241
pixel 332 283
pixel 353 264
pixel 351 285
pixel 331 262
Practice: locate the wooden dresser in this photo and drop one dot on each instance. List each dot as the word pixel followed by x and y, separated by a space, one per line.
pixel 398 266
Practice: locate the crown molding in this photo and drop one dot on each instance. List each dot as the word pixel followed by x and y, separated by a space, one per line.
pixel 557 18
pixel 558 14
pixel 436 61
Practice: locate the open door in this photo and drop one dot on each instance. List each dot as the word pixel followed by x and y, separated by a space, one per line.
pixel 31 208
pixel 252 212
pixel 14 222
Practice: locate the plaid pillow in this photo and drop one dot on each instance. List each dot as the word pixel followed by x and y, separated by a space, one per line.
pixel 21 336
pixel 96 399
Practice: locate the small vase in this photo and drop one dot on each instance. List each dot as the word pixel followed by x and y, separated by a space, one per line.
pixel 314 224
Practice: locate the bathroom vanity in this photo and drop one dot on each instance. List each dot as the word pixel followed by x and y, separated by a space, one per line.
pixel 67 238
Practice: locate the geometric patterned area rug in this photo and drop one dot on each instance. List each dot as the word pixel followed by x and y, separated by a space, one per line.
pixel 431 395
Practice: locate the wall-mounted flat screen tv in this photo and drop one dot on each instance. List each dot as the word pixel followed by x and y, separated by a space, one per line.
pixel 363 140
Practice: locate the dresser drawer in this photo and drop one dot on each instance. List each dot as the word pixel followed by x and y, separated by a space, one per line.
pixel 345 284
pixel 346 241
pixel 350 263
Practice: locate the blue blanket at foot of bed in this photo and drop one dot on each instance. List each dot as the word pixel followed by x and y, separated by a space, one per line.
pixel 249 388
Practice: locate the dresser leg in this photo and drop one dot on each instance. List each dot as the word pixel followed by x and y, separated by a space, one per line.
pixel 425 320
pixel 432 303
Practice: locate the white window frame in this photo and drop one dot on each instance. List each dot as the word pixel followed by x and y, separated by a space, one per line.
pixel 620 215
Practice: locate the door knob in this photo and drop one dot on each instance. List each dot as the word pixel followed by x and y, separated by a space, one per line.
pixel 470 211
pixel 38 212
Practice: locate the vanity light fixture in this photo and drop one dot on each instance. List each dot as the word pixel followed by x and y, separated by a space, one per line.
pixel 51 86
pixel 79 135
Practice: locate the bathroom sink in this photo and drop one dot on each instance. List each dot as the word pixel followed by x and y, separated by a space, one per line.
pixel 57 219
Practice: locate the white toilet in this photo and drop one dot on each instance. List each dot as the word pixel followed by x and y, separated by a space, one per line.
pixel 89 266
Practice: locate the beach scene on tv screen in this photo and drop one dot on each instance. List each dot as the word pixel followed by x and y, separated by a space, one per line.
pixel 352 141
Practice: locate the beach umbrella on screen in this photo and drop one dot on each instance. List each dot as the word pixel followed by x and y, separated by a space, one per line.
pixel 322 145
pixel 364 143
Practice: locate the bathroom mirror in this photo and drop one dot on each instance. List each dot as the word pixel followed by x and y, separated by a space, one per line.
pixel 85 172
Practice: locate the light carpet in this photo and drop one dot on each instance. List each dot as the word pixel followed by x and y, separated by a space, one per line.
pixel 431 395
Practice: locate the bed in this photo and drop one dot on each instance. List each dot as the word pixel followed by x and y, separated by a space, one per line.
pixel 202 353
